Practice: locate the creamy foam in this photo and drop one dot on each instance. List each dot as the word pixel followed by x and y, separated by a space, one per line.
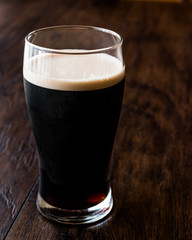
pixel 74 72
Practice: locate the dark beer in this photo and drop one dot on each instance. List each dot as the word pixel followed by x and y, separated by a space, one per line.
pixel 74 130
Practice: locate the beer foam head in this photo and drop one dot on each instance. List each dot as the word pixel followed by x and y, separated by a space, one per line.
pixel 74 72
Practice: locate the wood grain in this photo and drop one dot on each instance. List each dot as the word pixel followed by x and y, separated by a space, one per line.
pixel 152 158
pixel 18 162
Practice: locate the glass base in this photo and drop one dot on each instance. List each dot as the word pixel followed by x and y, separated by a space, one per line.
pixel 81 216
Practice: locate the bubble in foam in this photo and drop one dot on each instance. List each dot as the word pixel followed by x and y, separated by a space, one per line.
pixel 74 72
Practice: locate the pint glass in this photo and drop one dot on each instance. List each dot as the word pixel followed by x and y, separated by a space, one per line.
pixel 73 82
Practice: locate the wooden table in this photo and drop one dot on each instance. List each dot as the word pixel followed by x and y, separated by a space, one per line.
pixel 152 158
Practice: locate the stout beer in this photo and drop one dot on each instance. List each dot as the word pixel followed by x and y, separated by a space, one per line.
pixel 74 103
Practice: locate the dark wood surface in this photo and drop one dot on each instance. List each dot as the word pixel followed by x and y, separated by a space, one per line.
pixel 152 158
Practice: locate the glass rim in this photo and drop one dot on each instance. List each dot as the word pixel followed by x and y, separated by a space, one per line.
pixel 67 51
